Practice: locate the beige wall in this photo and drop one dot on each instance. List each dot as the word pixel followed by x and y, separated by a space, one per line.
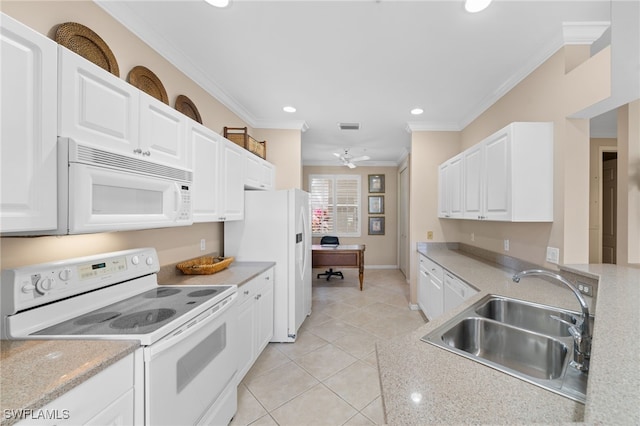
pixel 284 150
pixel 628 233
pixel 381 250
pixel 173 244
pixel 428 151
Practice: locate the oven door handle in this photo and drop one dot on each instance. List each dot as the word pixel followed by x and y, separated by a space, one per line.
pixel 184 332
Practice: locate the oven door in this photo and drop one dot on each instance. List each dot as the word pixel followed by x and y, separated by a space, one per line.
pixel 104 199
pixel 187 371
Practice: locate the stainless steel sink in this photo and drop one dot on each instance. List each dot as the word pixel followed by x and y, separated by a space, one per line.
pixel 518 338
pixel 532 354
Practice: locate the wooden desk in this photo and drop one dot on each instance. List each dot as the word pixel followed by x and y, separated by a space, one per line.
pixel 347 256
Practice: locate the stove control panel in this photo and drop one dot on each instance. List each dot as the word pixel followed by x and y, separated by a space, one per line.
pixel 36 285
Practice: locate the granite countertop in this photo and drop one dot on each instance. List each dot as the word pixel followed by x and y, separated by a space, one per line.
pixel 424 384
pixel 237 273
pixel 35 372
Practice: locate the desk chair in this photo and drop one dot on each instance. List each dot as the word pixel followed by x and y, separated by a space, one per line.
pixel 330 241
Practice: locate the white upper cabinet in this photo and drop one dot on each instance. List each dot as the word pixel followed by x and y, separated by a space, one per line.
pixel 99 108
pixel 450 175
pixel 509 175
pixel 96 106
pixel 218 189
pixel 232 173
pixel 162 133
pixel 258 173
pixel 28 72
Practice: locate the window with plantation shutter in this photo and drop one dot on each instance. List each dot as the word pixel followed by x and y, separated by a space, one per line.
pixel 335 205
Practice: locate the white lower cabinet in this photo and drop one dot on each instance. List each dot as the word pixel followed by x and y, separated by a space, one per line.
pixel 255 320
pixel 438 289
pixel 455 291
pixel 108 398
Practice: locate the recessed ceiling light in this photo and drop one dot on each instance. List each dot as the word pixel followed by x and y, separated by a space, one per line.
pixel 473 6
pixel 218 3
pixel 289 109
pixel 417 111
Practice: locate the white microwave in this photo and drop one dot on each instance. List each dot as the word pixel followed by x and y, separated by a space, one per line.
pixel 101 191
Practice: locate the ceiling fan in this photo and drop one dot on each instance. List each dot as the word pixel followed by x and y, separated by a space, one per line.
pixel 349 160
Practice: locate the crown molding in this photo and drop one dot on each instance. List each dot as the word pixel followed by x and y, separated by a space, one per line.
pixel 431 126
pixel 583 32
pixel 165 48
pixel 329 163
pixel 287 125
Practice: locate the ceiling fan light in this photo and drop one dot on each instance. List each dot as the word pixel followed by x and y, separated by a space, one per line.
pixel 417 111
pixel 474 6
pixel 289 108
pixel 218 3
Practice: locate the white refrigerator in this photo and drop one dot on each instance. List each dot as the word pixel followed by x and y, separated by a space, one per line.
pixel 277 228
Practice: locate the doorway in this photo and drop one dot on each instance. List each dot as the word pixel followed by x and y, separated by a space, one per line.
pixel 609 206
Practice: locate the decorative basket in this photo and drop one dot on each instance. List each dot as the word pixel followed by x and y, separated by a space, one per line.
pixel 239 136
pixel 205 265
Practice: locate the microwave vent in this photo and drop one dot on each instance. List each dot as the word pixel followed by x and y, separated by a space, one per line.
pixel 93 156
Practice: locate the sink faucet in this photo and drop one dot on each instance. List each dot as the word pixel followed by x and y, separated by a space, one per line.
pixel 580 331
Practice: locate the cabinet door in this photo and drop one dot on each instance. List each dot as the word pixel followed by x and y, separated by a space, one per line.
pixel 206 173
pixel 497 178
pixel 434 298
pixel 252 171
pixel 454 186
pixel 162 133
pixel 423 282
pixel 267 175
pixel 443 194
pixel 28 126
pixel 472 198
pixel 232 190
pixel 454 292
pixel 246 335
pixel 265 312
pixel 95 105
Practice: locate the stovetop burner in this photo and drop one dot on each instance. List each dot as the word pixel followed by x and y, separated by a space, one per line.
pixel 140 314
pixel 161 292
pixel 138 320
pixel 202 293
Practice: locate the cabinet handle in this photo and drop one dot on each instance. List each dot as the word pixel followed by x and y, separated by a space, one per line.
pixel 267 278
pixel 246 292
pixel 137 151
pixel 147 153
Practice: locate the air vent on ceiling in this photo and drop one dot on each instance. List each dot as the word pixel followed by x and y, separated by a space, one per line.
pixel 349 126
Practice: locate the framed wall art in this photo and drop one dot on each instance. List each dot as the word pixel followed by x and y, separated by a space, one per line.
pixel 376 204
pixel 376 225
pixel 376 184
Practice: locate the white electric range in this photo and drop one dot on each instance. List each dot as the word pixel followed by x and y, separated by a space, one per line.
pixel 187 333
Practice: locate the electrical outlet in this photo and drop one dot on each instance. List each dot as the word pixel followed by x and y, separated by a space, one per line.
pixel 429 235
pixel 473 236
pixel 553 255
pixel 506 245
pixel 203 244
pixel 585 288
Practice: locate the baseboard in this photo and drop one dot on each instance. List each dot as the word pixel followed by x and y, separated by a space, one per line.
pixel 381 267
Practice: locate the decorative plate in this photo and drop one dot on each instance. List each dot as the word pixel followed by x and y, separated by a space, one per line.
pixel 83 41
pixel 144 79
pixel 188 108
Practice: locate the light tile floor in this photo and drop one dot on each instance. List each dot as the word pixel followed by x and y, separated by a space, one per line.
pixel 329 376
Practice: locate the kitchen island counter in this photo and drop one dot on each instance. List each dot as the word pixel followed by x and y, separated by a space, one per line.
pixel 424 384
pixel 36 372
